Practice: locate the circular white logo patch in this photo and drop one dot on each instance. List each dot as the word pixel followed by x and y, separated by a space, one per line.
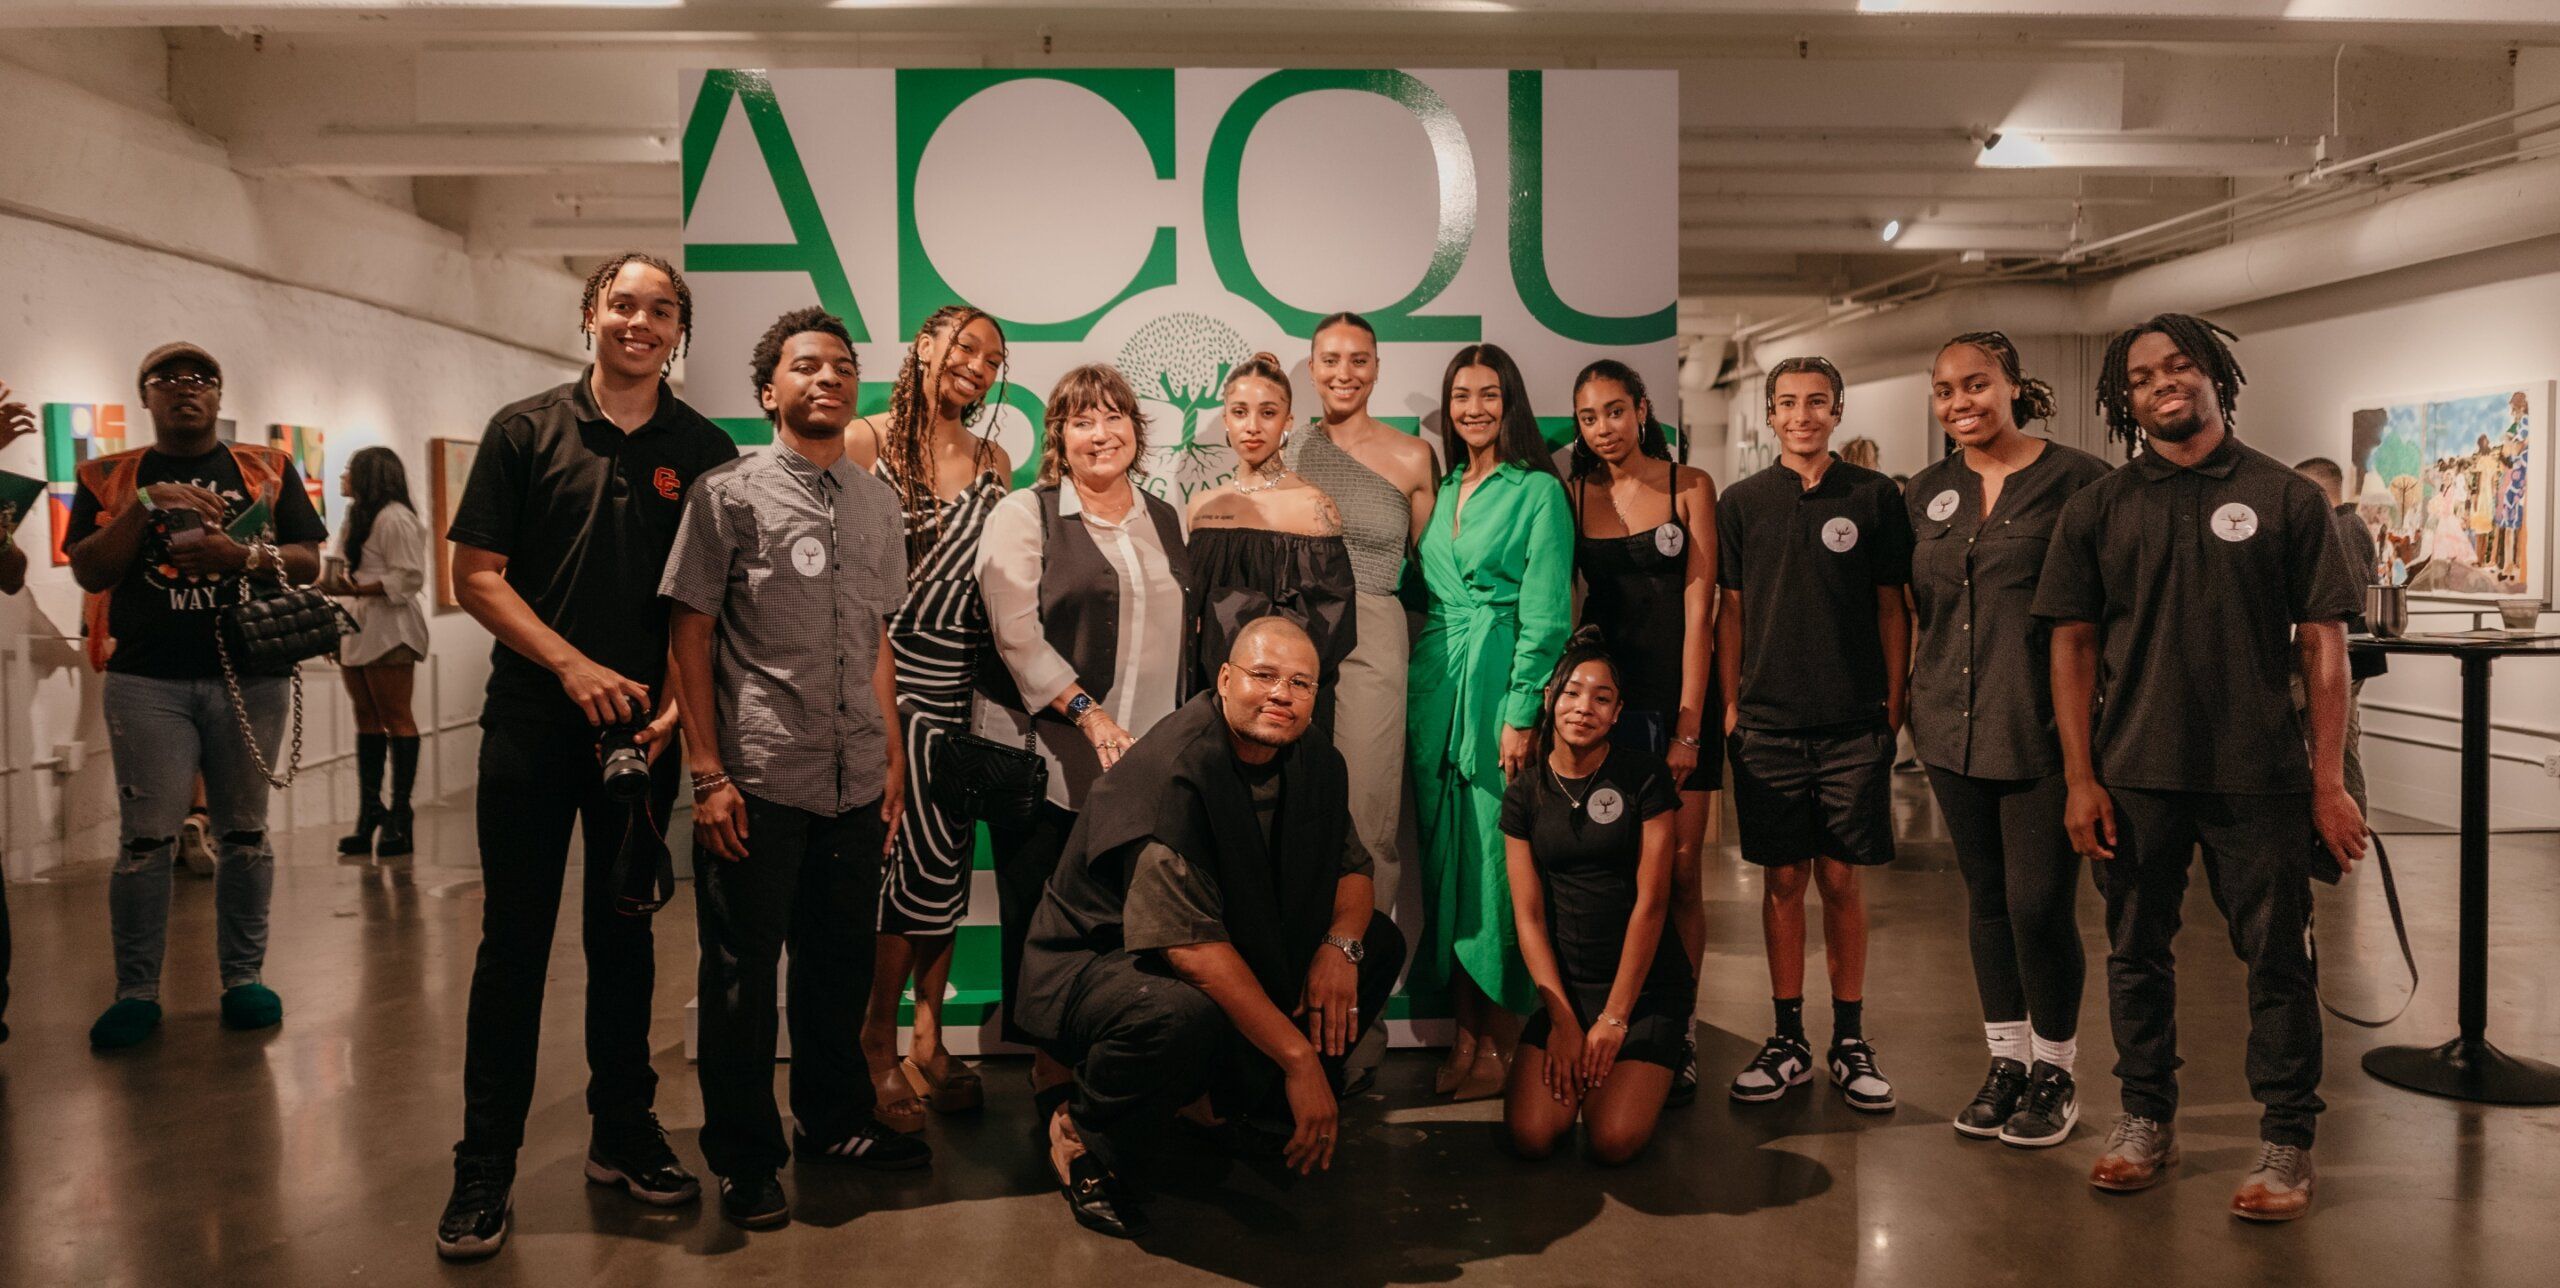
pixel 1840 534
pixel 809 555
pixel 2235 522
pixel 1943 505
pixel 1670 540
pixel 1606 805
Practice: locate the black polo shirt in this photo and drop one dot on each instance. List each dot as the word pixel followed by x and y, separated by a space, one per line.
pixel 1981 683
pixel 1807 562
pixel 2364 560
pixel 2196 579
pixel 585 515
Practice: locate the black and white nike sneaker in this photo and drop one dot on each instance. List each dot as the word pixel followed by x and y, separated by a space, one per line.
pixel 476 1219
pixel 2003 1090
pixel 634 1157
pixel 2046 1116
pixel 1783 1062
pixel 871 1145
pixel 1853 1071
pixel 1684 1080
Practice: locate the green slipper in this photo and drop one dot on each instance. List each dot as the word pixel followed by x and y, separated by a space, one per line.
pixel 122 1025
pixel 251 1006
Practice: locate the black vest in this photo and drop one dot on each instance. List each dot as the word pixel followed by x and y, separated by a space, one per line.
pixel 1180 786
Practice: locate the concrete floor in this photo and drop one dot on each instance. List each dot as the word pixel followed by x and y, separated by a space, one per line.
pixel 318 1153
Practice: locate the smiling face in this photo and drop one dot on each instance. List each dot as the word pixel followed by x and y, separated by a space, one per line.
pixel 2173 400
pixel 1267 686
pixel 1971 397
pixel 635 319
pixel 1803 411
pixel 811 393
pixel 970 358
pixel 1345 365
pixel 1257 417
pixel 1587 705
pixel 1100 443
pixel 1610 419
pixel 1475 407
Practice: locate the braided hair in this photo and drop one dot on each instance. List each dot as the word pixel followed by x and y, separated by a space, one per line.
pixel 906 437
pixel 2035 400
pixel 1651 439
pixel 603 277
pixel 2200 340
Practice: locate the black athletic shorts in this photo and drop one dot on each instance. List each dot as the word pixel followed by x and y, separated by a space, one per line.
pixel 1814 794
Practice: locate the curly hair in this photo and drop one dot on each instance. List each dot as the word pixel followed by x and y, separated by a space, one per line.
pixel 2200 340
pixel 768 351
pixel 603 277
pixel 1095 386
pixel 2035 400
pixel 905 438
pixel 1651 439
pixel 1800 366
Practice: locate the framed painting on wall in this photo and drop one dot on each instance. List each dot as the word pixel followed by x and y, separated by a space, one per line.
pixel 448 468
pixel 2456 489
pixel 75 434
pixel 306 445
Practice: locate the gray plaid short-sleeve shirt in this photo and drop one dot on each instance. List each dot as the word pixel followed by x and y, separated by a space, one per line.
pixel 801 568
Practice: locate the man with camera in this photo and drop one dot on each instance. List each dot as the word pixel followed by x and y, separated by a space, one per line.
pixel 164 538
pixel 560 538
pixel 782 581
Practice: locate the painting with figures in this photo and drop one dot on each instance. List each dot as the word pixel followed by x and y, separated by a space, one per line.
pixel 2454 489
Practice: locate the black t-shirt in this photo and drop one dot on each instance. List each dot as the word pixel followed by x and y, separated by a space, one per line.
pixel 2195 578
pixel 585 515
pixel 1808 562
pixel 1588 854
pixel 162 620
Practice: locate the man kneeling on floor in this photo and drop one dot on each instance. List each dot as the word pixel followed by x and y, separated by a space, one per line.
pixel 1209 946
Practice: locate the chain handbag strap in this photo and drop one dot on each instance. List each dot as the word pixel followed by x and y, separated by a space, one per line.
pixel 240 708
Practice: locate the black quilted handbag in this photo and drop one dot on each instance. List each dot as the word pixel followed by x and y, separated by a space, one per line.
pixel 980 778
pixel 272 631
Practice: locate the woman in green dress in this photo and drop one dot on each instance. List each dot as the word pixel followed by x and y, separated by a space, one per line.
pixel 1497 564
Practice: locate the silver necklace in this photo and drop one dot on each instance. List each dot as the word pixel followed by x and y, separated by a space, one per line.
pixel 1269 482
pixel 1570 798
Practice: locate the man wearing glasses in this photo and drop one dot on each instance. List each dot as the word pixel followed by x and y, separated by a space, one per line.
pixel 1209 946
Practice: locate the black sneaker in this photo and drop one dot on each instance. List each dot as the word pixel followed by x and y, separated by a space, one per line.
pixel 476 1219
pixel 754 1201
pixel 2051 1107
pixel 1853 1071
pixel 1783 1062
pixel 2002 1091
pixel 636 1159
pixel 871 1145
pixel 1684 1080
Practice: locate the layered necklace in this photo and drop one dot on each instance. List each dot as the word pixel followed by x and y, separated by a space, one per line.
pixel 1267 481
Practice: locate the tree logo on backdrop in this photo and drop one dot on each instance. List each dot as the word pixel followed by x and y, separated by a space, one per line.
pixel 1181 361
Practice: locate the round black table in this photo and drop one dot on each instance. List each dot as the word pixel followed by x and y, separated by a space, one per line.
pixel 2468 1068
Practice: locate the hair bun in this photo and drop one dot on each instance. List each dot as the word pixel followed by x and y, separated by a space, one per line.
pixel 1266 357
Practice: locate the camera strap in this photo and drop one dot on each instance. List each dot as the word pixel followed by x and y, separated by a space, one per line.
pixel 644 872
pixel 2399 926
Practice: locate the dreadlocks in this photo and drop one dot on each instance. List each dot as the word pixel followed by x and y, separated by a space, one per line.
pixel 2035 398
pixel 2200 340
pixel 906 438
pixel 603 277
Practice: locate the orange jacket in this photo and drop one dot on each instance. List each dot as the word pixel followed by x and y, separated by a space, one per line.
pixel 114 481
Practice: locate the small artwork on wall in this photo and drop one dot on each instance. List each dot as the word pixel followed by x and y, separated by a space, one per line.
pixel 448 467
pixel 2456 489
pixel 75 434
pixel 305 445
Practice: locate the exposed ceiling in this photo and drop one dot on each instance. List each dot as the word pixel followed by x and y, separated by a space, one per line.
pixel 1981 131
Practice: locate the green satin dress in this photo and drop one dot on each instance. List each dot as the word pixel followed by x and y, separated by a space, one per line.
pixel 1499 573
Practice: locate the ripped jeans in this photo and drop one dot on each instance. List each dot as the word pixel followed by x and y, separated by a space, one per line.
pixel 163 733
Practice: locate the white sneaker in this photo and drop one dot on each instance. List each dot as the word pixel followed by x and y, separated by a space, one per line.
pixel 195 846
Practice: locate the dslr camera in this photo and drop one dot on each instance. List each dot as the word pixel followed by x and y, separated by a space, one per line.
pixel 625 761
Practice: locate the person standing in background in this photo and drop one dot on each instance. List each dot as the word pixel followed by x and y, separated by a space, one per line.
pixel 2364 566
pixel 384 557
pixel 17 420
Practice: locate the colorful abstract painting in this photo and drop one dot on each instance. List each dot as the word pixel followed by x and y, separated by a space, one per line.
pixel 75 434
pixel 306 446
pixel 2454 489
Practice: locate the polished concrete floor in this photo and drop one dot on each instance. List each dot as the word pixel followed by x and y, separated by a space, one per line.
pixel 318 1153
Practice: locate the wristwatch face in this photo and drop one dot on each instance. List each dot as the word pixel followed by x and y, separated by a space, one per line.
pixel 1351 948
pixel 1078 705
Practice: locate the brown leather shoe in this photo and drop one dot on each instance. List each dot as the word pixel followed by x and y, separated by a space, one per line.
pixel 2139 1150
pixel 2279 1187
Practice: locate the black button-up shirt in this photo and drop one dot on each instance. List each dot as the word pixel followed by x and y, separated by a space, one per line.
pixel 1981 684
pixel 2196 579
pixel 1808 562
pixel 584 514
pixel 801 568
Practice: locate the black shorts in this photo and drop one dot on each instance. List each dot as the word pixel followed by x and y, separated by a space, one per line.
pixel 1816 794
pixel 1658 1033
pixel 1650 732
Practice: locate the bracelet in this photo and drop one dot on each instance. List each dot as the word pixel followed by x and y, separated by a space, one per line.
pixel 705 784
pixel 143 496
pixel 1607 1018
pixel 1689 742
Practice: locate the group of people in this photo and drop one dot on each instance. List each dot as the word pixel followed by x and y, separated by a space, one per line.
pixel 1203 720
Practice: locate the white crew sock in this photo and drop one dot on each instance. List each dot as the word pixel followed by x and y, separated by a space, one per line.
pixel 2008 1040
pixel 2058 1054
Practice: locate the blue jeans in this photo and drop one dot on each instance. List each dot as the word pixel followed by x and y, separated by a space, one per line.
pixel 163 733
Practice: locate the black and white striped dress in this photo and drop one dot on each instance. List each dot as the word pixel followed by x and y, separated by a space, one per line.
pixel 932 639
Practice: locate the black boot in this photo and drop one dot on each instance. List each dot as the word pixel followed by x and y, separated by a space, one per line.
pixel 398 834
pixel 370 750
pixel 360 841
pixel 397 821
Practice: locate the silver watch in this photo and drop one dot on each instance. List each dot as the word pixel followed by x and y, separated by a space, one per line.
pixel 1351 948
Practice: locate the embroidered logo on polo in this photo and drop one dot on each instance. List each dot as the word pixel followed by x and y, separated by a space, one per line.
pixel 809 555
pixel 1840 534
pixel 1943 505
pixel 1670 540
pixel 2235 522
pixel 668 483
pixel 1606 805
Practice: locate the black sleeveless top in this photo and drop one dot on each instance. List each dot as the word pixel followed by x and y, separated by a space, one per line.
pixel 1632 590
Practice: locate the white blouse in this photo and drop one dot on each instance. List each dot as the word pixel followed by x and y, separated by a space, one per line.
pixel 1147 661
pixel 395 555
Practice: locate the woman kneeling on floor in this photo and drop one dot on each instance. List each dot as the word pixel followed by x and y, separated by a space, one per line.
pixel 1589 835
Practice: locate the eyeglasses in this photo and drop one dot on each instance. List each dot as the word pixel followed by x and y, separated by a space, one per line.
pixel 183 380
pixel 1298 685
